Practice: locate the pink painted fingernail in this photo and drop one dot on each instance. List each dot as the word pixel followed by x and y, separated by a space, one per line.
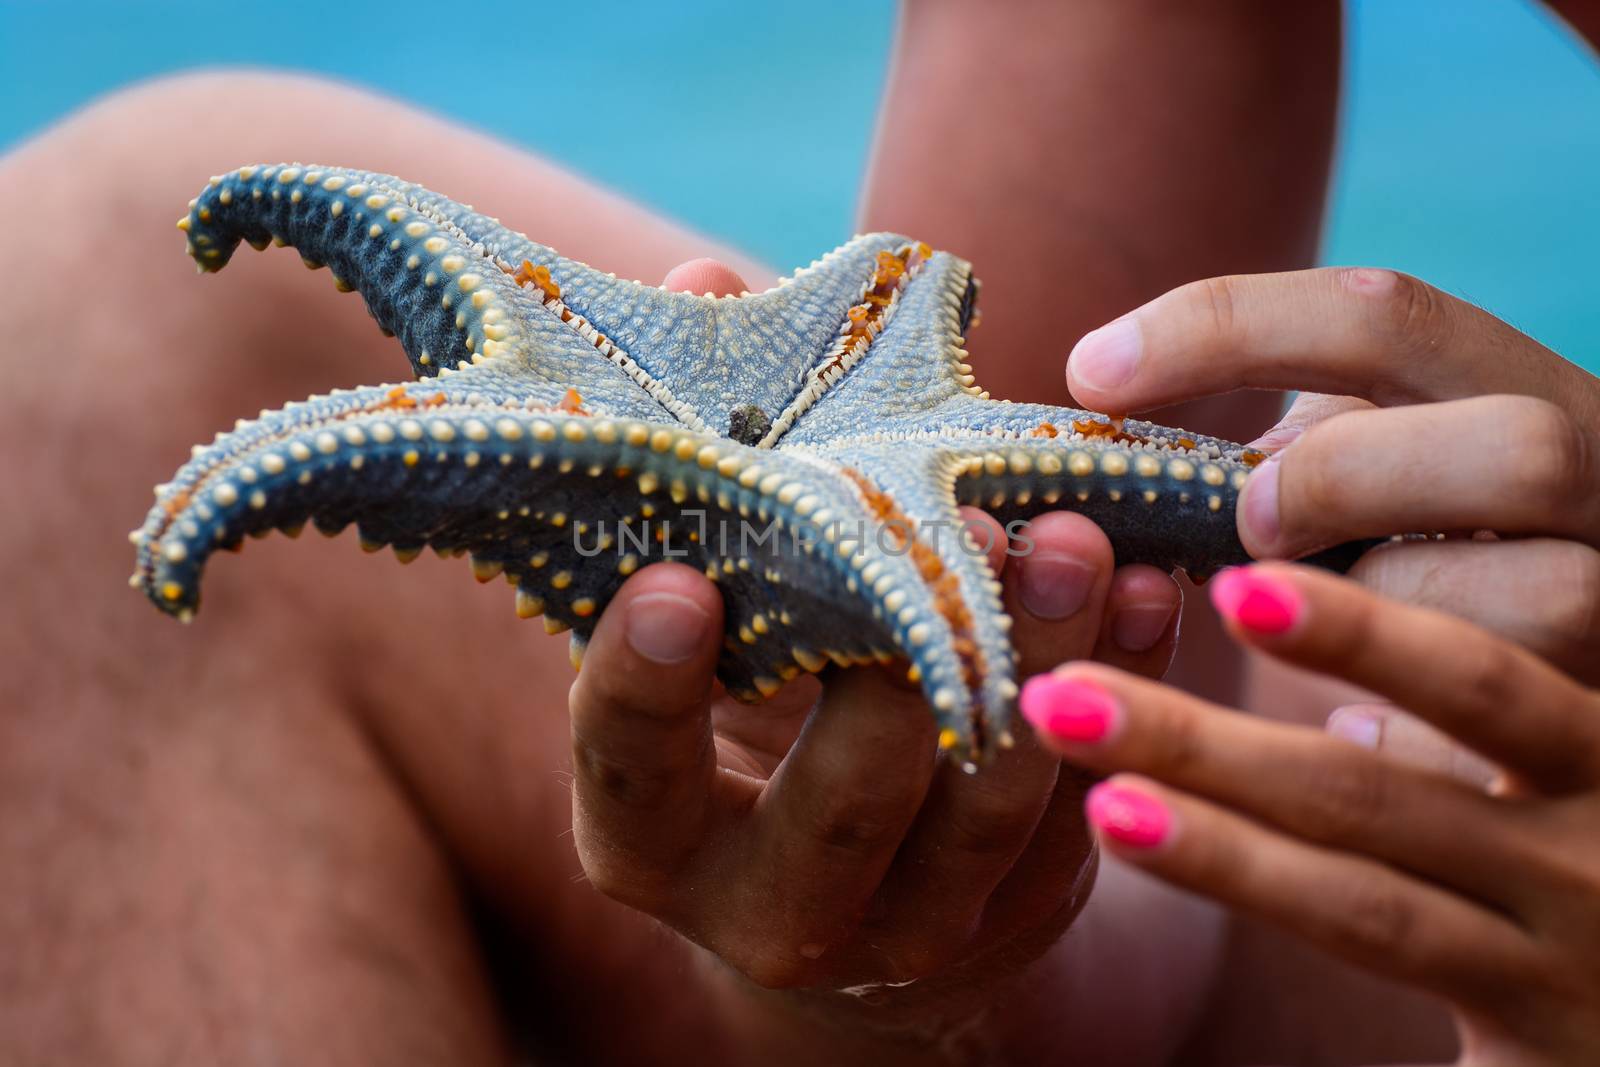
pixel 1262 603
pixel 1258 511
pixel 1069 709
pixel 1127 815
pixel 1109 356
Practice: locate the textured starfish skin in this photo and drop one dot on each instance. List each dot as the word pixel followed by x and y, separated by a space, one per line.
pixel 565 440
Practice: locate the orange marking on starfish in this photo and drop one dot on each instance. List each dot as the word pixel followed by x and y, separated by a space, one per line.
pixel 1044 429
pixel 864 319
pixel 572 403
pixel 396 399
pixel 539 276
pixel 940 580
pixel 174 504
pixel 1252 458
pixel 1112 430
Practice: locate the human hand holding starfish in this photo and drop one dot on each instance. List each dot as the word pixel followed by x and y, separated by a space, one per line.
pixel 815 841
pixel 1414 374
pixel 1397 868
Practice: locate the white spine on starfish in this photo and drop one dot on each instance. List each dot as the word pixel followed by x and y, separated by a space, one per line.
pixel 838 359
pixel 1203 450
pixel 657 390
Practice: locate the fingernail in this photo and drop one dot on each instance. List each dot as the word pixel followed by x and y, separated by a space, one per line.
pixel 1055 586
pixel 1128 816
pixel 1259 602
pixel 1069 709
pixel 666 628
pixel 1107 357
pixel 1357 727
pixel 1258 512
pixel 1138 627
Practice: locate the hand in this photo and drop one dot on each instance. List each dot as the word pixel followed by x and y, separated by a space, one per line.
pixel 1488 898
pixel 1447 420
pixel 816 840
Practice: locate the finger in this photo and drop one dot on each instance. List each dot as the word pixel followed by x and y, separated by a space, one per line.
pixel 1555 614
pixel 1361 332
pixel 1353 907
pixel 1375 473
pixel 707 276
pixel 829 821
pixel 969 833
pixel 1410 742
pixel 1056 582
pixel 972 827
pixel 1050 881
pixel 1140 628
pixel 1487 693
pixel 641 738
pixel 1306 411
pixel 1313 786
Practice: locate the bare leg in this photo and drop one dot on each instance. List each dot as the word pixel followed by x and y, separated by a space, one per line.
pixel 246 841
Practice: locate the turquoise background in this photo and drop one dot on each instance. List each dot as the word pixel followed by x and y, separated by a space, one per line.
pixel 1469 155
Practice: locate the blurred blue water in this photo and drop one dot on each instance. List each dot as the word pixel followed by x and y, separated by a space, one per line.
pixel 1470 152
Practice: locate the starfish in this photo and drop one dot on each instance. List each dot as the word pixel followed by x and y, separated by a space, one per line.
pixel 807 447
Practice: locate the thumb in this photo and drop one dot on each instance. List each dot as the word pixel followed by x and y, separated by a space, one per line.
pixel 643 756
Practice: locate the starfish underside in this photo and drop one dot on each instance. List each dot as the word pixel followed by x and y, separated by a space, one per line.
pixel 806 447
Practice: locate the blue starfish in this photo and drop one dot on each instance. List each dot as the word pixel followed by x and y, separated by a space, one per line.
pixel 807 447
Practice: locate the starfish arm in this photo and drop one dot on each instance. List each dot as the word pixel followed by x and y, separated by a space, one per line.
pixel 954 603
pixel 1156 506
pixel 402 461
pixel 913 352
pixel 1164 496
pixel 452 308
pixel 566 506
pixel 717 354
pixel 1171 506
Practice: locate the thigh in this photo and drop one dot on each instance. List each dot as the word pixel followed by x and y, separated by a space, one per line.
pixel 260 817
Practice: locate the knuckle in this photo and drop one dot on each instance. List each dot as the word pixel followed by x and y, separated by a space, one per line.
pixel 1340 800
pixel 1412 317
pixel 621 781
pixel 1378 921
pixel 1570 618
pixel 1217 301
pixel 1556 456
pixel 857 821
pixel 1179 745
pixel 1491 680
pixel 991 822
pixel 1583 622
